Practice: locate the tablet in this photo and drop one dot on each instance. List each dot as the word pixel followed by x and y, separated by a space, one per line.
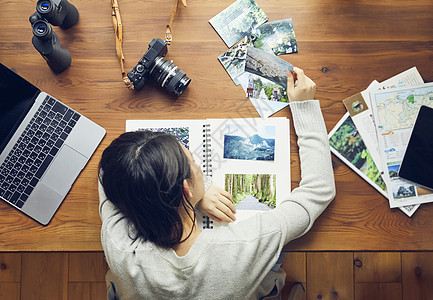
pixel 417 164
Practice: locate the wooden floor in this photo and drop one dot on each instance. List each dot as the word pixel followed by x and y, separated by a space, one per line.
pixel 326 275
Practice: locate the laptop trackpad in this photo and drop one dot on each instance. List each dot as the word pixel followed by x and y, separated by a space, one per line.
pixel 64 170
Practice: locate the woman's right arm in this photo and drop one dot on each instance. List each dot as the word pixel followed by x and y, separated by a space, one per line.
pixel 317 187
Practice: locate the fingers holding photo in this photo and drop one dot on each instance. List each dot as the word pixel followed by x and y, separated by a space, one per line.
pixel 299 86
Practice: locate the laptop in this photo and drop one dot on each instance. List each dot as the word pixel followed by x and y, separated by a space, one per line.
pixel 44 145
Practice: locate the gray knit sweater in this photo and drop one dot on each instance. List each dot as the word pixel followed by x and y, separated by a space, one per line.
pixel 232 261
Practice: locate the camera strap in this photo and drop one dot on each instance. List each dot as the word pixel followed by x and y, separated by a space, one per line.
pixel 118 31
pixel 168 32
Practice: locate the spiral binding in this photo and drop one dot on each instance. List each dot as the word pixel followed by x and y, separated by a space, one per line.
pixel 207 155
pixel 207 167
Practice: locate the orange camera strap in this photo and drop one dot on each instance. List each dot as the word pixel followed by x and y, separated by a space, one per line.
pixel 118 31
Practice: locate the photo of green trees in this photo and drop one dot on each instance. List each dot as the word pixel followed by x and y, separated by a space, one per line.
pixel 260 186
pixel 348 143
pixel 238 20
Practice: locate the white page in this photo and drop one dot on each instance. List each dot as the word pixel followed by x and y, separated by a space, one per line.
pixel 223 163
pixel 395 112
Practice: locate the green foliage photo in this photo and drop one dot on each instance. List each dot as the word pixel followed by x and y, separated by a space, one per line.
pixel 348 142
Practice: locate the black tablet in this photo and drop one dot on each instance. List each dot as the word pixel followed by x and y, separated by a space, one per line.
pixel 417 164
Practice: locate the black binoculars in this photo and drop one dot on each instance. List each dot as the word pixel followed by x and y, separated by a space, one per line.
pixel 45 40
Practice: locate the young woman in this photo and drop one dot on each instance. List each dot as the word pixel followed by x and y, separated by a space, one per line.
pixel 149 189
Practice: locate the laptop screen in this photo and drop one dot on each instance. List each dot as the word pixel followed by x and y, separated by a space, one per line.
pixel 17 96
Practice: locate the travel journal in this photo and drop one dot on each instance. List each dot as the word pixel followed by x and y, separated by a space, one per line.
pixel 249 157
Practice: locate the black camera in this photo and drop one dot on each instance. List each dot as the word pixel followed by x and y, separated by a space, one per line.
pixel 45 40
pixel 164 72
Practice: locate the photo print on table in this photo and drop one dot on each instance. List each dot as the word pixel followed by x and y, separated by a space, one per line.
pixel 249 143
pixel 252 191
pixel 348 143
pixel 276 37
pixel 238 20
pixel 233 60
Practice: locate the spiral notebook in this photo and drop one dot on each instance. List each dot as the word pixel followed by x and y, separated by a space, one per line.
pixel 248 157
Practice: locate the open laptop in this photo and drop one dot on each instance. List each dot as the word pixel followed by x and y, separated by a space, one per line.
pixel 44 145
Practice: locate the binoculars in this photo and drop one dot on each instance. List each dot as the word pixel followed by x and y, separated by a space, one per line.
pixel 58 13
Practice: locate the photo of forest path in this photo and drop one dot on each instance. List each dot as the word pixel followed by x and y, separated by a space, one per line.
pixel 252 191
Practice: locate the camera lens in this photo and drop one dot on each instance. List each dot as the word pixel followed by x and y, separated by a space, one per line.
pixel 169 76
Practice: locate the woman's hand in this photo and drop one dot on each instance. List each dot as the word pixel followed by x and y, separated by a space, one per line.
pixel 217 204
pixel 299 86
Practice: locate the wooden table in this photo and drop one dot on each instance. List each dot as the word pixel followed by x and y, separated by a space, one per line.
pixel 343 46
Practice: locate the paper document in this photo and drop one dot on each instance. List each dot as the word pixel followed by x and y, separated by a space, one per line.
pixel 395 112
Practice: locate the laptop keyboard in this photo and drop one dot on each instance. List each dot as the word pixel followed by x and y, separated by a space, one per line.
pixel 35 149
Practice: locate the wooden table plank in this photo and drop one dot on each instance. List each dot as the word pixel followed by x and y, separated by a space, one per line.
pixel 344 45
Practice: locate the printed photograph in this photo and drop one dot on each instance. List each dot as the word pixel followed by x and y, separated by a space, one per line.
pixel 348 143
pixel 276 37
pixel 238 20
pixel 267 65
pixel 181 133
pixel 252 191
pixel 357 106
pixel 233 60
pixel 393 171
pixel 249 143
pixel 403 190
pixel 262 89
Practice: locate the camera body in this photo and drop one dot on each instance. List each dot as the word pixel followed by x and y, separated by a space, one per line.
pixel 45 40
pixel 153 65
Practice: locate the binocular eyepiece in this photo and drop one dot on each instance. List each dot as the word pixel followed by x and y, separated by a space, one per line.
pixel 58 12
pixel 45 40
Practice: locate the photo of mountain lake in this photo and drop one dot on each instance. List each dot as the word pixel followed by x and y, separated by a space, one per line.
pixel 249 142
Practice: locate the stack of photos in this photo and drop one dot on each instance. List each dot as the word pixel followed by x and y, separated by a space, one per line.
pixel 255 45
pixel 238 21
